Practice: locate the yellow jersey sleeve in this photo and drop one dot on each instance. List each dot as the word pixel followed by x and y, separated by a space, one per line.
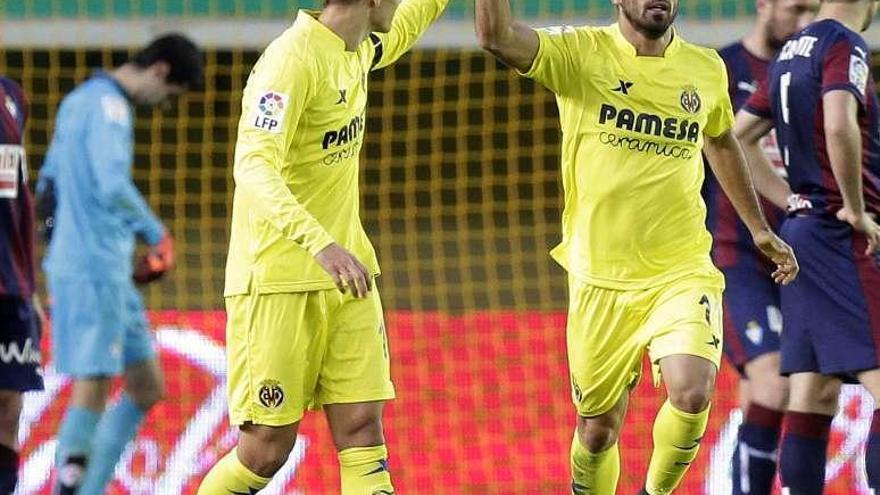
pixel 721 118
pixel 557 64
pixel 410 21
pixel 272 107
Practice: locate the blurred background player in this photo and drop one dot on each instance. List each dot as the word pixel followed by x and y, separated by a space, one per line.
pixel 100 328
pixel 752 319
pixel 821 99
pixel 293 340
pixel 19 323
pixel 637 282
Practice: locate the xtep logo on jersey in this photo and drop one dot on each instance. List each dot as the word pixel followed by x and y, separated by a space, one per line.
pixel 342 98
pixel 624 86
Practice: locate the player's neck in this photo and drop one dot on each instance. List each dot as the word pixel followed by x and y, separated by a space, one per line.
pixel 757 43
pixel 126 77
pixel 645 45
pixel 349 22
pixel 851 15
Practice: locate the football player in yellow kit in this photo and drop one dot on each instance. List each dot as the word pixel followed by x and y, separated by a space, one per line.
pixel 637 106
pixel 305 326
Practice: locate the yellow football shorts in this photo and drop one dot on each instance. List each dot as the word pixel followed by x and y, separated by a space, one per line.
pixel 609 330
pixel 288 352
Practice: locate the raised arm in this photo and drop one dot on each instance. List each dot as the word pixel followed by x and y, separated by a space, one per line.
pixel 510 41
pixel 749 130
pixel 843 139
pixel 411 20
pixel 729 166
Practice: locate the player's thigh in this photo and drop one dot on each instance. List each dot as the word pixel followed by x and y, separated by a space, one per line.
pixel 752 316
pixel 604 346
pixel 19 346
pixel 264 449
pixel 88 329
pixel 144 382
pixel 598 433
pixel 274 347
pixel 686 320
pixel 769 388
pixel 689 381
pixel 10 412
pixel 832 303
pixel 871 381
pixel 356 366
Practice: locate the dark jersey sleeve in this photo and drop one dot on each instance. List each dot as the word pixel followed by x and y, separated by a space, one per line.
pixel 845 67
pixel 759 103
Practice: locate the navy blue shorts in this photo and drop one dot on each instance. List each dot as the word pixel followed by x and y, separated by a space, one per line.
pixel 752 316
pixel 832 310
pixel 20 366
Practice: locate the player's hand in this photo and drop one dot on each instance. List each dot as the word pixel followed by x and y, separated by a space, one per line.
pixel 779 253
pixel 865 223
pixel 158 261
pixel 346 270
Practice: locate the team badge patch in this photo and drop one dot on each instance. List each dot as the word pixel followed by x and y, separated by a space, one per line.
pixel 690 99
pixel 271 394
pixel 858 73
pixel 269 112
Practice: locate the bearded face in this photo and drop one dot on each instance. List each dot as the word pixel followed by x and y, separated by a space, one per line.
pixel 650 17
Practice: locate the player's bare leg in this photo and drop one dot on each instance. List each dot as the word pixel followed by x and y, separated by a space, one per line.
pixel 360 441
pixel 871 381
pixel 803 449
pixel 767 388
pixel 262 450
pixel 595 455
pixel 681 421
pixel 763 399
pixel 10 411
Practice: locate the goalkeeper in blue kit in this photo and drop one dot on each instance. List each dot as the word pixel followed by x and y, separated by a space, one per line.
pixel 87 196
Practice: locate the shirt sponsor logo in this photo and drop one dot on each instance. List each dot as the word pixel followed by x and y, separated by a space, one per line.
pixel 650 124
pixel 858 73
pixel 12 160
pixel 684 131
pixel 12 352
pixel 799 47
pixel 269 112
pixel 345 142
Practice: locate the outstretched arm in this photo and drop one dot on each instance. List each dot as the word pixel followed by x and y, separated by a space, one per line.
pixel 411 20
pixel 729 166
pixel 749 130
pixel 510 41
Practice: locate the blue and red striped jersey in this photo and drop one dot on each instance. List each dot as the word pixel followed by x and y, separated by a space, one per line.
pixel 825 56
pixel 745 73
pixel 17 258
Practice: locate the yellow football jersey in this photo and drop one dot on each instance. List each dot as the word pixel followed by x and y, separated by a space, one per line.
pixel 632 135
pixel 296 157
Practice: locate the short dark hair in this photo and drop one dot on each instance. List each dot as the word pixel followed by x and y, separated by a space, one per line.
pixel 180 53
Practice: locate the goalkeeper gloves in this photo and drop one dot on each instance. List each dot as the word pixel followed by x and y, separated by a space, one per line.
pixel 155 263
